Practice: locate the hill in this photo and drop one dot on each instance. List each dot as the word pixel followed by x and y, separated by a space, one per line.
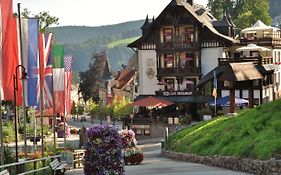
pixel 82 42
pixel 253 133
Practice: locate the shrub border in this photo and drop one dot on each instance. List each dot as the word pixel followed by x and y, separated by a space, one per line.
pixel 259 167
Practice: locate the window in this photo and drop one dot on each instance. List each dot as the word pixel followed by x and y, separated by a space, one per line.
pixel 226 83
pixel 256 83
pixel 167 35
pixel 170 85
pixel 189 34
pixel 168 60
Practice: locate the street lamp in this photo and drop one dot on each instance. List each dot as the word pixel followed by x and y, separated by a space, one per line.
pixel 24 77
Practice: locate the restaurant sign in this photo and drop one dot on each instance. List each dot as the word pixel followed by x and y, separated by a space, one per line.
pixel 176 93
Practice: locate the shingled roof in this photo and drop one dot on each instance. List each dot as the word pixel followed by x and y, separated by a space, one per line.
pixel 241 72
pixel 125 77
pixel 199 13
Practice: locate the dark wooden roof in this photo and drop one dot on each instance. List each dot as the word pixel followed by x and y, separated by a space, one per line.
pixel 241 72
pixel 209 76
pixel 107 75
pixel 203 18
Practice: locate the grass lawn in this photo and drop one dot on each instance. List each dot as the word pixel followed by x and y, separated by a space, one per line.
pixel 254 133
pixel 122 42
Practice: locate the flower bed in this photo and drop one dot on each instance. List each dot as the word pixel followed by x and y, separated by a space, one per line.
pixel 132 154
pixel 103 155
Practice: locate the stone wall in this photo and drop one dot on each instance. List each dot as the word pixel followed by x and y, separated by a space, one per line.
pixel 258 167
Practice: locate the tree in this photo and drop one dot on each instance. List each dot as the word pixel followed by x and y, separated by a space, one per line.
pixel 244 12
pixel 252 12
pixel 218 7
pixel 93 109
pixel 90 79
pixel 45 19
pixel 122 108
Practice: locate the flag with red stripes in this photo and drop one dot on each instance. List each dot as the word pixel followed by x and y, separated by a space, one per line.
pixel 67 83
pixel 41 75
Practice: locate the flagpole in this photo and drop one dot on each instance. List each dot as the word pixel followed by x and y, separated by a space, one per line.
pixel 1 130
pixel 215 84
pixel 54 119
pixel 64 113
pixel 23 87
pixel 41 104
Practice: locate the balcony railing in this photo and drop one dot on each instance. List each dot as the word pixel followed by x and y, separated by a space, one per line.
pixel 266 39
pixel 174 71
pixel 254 60
pixel 178 41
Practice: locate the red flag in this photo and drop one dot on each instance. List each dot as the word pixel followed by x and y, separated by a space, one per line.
pixel 8 51
pixel 67 83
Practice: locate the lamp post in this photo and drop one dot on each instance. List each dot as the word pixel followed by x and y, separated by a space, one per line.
pixel 15 77
pixel 1 130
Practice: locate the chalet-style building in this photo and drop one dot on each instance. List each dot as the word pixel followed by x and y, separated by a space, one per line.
pixel 105 86
pixel 126 84
pixel 179 47
pixel 260 45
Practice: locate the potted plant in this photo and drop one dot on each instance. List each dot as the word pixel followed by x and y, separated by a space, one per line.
pixel 205 113
pixel 133 155
pixel 186 119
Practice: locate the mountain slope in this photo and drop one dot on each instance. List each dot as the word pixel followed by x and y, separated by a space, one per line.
pixel 253 133
pixel 82 42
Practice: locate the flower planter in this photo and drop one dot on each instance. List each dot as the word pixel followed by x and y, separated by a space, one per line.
pixel 103 155
pixel 132 154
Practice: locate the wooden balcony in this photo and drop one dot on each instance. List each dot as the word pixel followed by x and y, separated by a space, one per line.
pixel 179 41
pixel 176 71
pixel 266 40
pixel 254 60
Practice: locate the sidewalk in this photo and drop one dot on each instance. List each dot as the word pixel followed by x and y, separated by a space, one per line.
pixel 149 140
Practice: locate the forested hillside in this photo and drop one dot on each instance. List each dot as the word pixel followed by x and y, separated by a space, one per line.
pixel 82 42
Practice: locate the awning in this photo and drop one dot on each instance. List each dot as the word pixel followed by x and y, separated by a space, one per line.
pixel 182 99
pixel 225 101
pixel 189 99
pixel 252 47
pixel 259 25
pixel 152 102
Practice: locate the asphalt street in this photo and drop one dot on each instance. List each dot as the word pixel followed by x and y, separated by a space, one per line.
pixel 154 164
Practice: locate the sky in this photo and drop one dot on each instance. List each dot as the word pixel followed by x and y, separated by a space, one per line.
pixel 96 12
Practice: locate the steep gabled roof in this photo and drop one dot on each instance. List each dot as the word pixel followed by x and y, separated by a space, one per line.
pixel 204 18
pixel 125 77
pixel 107 72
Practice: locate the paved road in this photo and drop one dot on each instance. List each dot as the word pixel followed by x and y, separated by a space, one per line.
pixel 154 164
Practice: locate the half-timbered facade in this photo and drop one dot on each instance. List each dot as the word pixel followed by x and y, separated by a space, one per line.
pixel 179 47
pixel 259 45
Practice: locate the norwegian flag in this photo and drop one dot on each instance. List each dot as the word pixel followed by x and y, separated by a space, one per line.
pixel 45 55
